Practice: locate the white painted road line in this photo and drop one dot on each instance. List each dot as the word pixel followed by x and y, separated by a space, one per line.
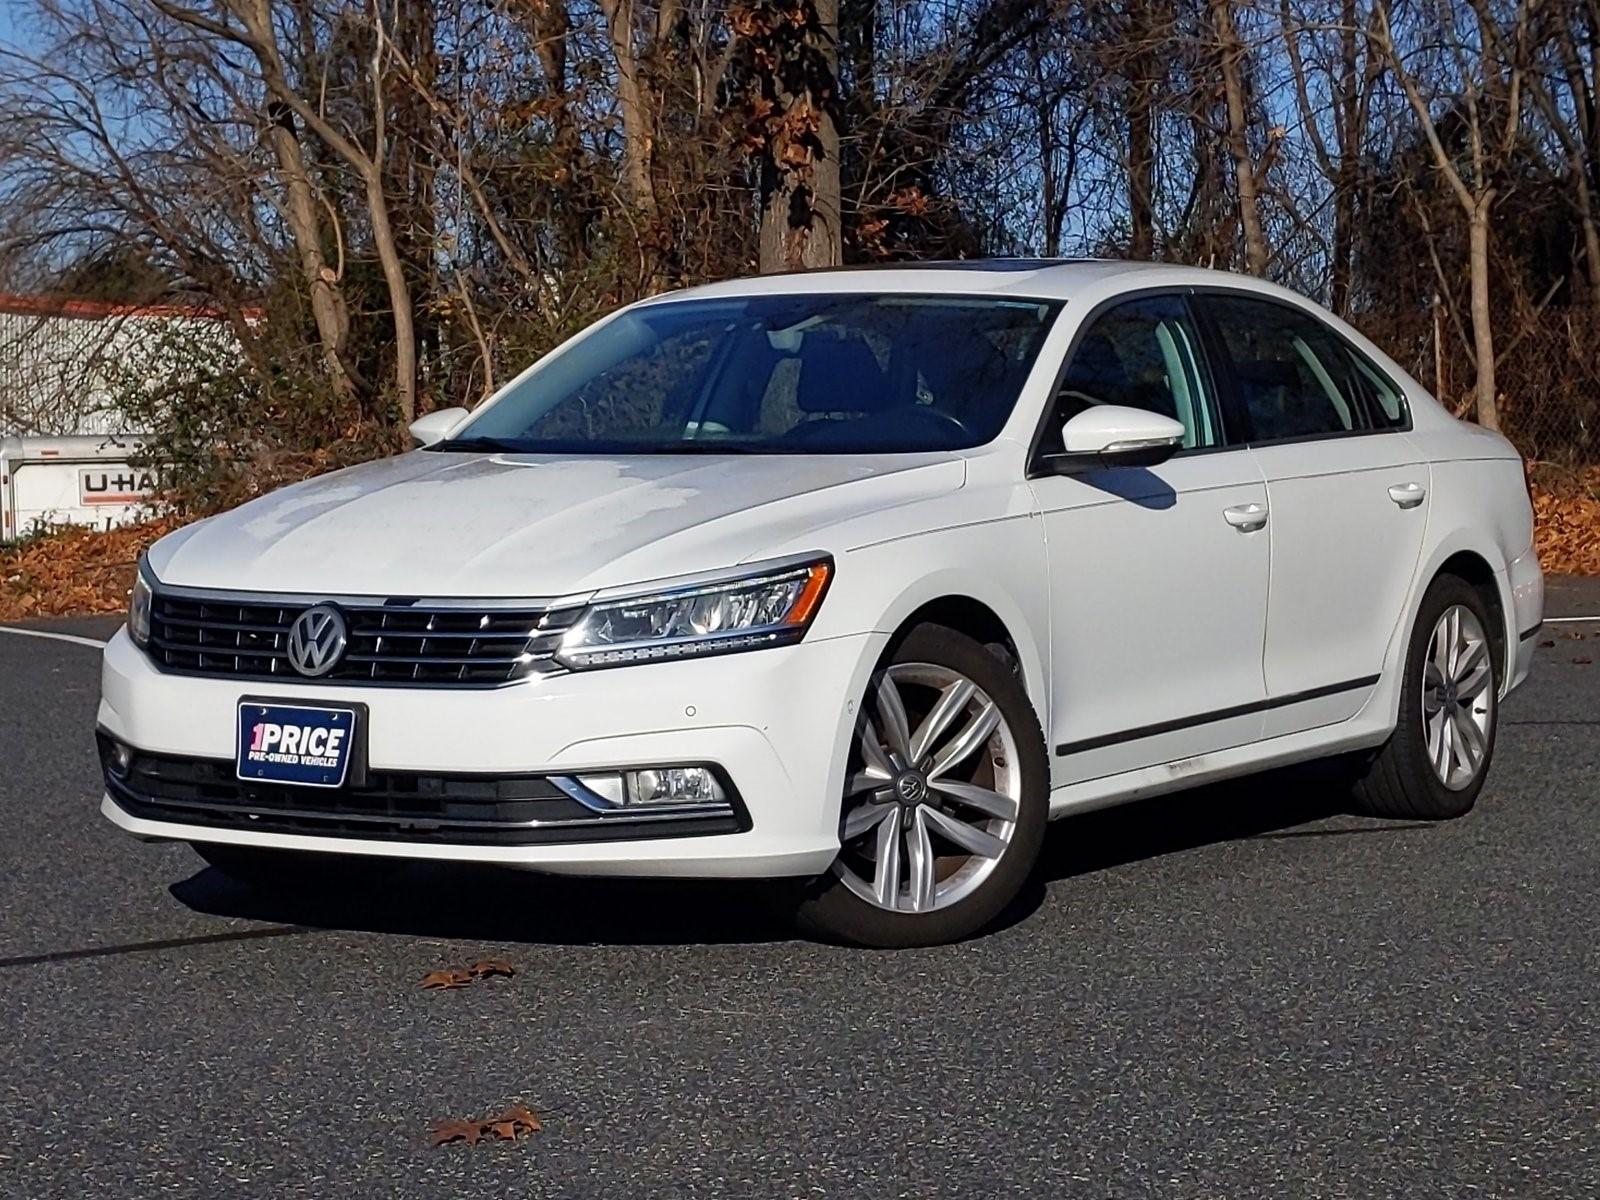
pixel 52 634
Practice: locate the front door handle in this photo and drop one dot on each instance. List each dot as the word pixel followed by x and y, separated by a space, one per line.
pixel 1247 518
pixel 1408 495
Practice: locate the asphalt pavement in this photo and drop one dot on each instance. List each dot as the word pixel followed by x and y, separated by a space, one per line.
pixel 1236 992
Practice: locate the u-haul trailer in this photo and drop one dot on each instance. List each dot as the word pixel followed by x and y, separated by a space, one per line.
pixel 91 481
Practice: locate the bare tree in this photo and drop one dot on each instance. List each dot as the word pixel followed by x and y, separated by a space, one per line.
pixel 1490 137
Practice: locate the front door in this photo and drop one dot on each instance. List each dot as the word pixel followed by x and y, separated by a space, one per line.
pixel 1158 576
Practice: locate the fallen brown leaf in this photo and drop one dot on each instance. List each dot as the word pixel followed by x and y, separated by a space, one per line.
pixel 515 1122
pixel 1583 660
pixel 1547 644
pixel 446 981
pixel 484 968
pixel 448 1131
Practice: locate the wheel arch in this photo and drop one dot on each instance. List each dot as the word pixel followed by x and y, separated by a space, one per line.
pixel 1477 565
pixel 985 613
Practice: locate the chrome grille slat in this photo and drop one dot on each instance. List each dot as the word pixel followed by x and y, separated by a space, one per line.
pixel 393 644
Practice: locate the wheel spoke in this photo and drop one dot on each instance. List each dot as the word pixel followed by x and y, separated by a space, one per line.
pixel 1440 654
pixel 940 717
pixel 869 780
pixel 863 818
pixel 1470 654
pixel 969 837
pixel 975 734
pixel 1469 741
pixel 920 851
pixel 982 799
pixel 1438 748
pixel 892 711
pixel 872 749
pixel 1476 680
pixel 886 878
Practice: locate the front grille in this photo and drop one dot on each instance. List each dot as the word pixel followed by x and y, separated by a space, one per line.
pixel 390 805
pixel 395 643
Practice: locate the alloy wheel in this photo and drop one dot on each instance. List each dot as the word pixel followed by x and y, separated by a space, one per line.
pixel 935 790
pixel 1458 697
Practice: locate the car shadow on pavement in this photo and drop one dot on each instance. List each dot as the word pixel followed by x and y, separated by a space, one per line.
pixel 499 905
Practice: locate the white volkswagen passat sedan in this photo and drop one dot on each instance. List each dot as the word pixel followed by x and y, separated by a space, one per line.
pixel 857 577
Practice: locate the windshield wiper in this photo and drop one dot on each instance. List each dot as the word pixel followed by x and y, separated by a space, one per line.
pixel 692 446
pixel 478 445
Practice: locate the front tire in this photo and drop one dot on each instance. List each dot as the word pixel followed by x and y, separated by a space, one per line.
pixel 946 796
pixel 1434 764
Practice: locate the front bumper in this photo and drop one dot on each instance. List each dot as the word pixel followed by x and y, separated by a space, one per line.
pixel 775 722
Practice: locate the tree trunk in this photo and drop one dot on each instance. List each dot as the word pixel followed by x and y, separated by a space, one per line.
pixel 637 107
pixel 1482 321
pixel 552 28
pixel 328 307
pixel 1245 183
pixel 1344 183
pixel 394 274
pixel 801 187
pixel 1141 138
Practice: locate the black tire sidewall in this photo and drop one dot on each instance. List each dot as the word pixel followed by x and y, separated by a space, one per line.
pixel 828 909
pixel 1410 742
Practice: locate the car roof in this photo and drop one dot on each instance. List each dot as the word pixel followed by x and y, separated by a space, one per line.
pixel 1032 278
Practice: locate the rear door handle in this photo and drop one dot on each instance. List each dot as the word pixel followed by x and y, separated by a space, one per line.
pixel 1408 495
pixel 1247 518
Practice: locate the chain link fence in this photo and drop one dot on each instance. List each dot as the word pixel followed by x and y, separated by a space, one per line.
pixel 1547 375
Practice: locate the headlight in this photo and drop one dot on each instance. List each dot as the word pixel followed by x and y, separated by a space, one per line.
pixel 770 608
pixel 139 608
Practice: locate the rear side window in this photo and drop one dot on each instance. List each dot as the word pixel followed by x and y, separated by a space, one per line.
pixel 1294 377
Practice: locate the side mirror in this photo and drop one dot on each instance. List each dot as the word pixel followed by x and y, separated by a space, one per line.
pixel 1111 435
pixel 432 428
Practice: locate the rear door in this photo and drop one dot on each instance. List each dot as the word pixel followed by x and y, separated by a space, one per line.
pixel 1347 497
pixel 1158 575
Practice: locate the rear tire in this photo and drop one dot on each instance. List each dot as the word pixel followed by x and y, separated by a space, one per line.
pixel 1434 764
pixel 292 870
pixel 947 792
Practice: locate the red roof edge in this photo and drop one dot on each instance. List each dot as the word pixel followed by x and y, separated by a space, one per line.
pixel 99 310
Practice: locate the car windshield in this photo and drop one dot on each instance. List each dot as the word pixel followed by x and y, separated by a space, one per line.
pixel 832 374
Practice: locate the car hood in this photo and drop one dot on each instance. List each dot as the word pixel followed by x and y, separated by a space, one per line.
pixel 446 524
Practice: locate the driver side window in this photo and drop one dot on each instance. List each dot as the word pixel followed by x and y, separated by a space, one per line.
pixel 1142 354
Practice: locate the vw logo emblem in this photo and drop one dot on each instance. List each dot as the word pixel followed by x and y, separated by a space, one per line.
pixel 317 640
pixel 911 787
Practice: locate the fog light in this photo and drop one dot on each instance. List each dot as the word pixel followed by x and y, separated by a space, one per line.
pixel 118 758
pixel 672 785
